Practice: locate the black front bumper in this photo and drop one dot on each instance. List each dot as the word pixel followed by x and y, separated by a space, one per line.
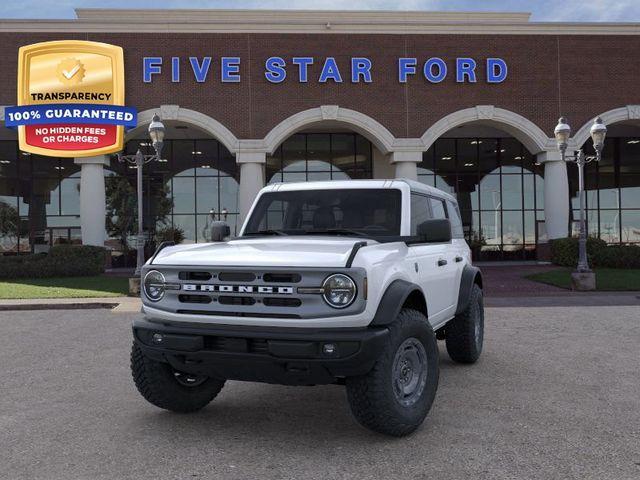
pixel 287 356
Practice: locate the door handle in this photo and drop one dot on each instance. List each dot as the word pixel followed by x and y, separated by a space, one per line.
pixel 458 259
pixel 442 262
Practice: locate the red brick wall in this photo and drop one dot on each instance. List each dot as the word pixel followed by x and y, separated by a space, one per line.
pixel 578 76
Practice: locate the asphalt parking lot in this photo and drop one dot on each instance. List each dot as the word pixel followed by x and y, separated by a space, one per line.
pixel 556 394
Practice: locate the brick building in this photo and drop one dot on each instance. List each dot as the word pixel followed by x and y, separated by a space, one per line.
pixel 463 101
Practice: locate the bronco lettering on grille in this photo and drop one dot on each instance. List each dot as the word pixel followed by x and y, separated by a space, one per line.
pixel 263 289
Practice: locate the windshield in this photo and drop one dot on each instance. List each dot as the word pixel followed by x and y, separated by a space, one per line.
pixel 354 212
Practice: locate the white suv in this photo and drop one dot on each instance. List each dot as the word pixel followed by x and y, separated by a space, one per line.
pixel 346 282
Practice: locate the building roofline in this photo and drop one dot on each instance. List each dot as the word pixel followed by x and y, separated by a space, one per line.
pixel 310 21
pixel 279 16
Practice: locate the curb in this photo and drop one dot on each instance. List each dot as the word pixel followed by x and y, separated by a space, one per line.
pixel 57 306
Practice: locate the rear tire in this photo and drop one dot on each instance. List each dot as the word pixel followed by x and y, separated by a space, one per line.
pixel 464 334
pixel 396 395
pixel 166 388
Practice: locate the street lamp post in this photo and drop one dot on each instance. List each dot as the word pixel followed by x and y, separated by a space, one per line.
pixel 562 133
pixel 156 133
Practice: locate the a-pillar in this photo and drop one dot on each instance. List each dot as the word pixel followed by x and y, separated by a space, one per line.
pixel 556 194
pixel 406 164
pixel 93 208
pixel 251 179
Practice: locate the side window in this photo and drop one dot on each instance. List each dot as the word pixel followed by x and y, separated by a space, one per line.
pixel 419 211
pixel 437 206
pixel 456 221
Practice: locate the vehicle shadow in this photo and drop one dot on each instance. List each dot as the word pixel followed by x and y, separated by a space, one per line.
pixel 305 416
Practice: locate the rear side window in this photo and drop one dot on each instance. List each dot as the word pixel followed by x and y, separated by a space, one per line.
pixel 420 211
pixel 456 222
pixel 437 207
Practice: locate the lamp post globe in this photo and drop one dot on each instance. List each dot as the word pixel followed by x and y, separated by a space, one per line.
pixel 562 133
pixel 598 133
pixel 156 133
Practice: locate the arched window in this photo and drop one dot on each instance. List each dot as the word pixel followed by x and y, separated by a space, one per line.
pixel 499 190
pixel 320 156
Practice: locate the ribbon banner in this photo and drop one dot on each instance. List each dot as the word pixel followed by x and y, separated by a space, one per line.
pixel 71 113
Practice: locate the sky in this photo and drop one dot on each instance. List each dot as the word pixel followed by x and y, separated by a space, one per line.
pixel 542 10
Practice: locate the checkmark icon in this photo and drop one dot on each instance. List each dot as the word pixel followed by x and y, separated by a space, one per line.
pixel 71 73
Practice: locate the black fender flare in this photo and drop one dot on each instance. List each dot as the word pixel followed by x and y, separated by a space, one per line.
pixel 392 300
pixel 470 275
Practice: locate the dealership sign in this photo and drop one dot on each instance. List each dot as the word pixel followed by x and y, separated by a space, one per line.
pixel 323 70
pixel 70 99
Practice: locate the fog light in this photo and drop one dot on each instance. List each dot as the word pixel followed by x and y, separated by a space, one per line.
pixel 329 348
pixel 157 338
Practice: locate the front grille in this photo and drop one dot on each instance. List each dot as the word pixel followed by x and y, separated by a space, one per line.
pixel 196 276
pixel 281 277
pixel 236 277
pixel 236 345
pixel 227 300
pixel 282 302
pixel 237 314
pixel 194 298
pixel 267 292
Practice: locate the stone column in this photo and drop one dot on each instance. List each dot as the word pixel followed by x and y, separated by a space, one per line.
pixel 556 194
pixel 92 199
pixel 406 164
pixel 251 179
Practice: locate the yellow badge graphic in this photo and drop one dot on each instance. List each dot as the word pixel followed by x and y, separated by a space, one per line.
pixel 71 99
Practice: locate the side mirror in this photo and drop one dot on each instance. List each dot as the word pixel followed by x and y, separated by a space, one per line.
pixel 436 230
pixel 219 231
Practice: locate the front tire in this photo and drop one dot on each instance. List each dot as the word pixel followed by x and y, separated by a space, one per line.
pixel 169 389
pixel 396 395
pixel 464 335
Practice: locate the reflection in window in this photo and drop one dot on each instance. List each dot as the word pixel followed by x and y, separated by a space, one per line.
pixel 612 191
pixel 499 190
pixel 39 200
pixel 198 178
pixel 320 156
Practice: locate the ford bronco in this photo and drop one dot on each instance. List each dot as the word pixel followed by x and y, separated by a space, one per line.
pixel 342 282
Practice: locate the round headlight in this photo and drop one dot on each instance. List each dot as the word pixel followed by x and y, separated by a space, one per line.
pixel 339 290
pixel 154 285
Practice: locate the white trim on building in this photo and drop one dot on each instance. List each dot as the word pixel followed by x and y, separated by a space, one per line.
pixel 311 21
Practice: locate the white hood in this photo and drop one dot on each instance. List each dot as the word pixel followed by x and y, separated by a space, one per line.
pixel 290 251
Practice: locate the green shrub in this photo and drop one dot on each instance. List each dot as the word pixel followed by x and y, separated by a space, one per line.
pixel 61 261
pixel 169 234
pixel 564 252
pixel 618 256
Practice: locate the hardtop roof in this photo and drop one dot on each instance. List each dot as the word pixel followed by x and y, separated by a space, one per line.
pixel 398 183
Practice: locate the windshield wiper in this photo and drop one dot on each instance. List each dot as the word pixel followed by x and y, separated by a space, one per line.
pixel 266 232
pixel 337 231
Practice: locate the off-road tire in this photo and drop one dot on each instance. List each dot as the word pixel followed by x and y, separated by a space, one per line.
pixel 371 396
pixel 156 382
pixel 465 333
